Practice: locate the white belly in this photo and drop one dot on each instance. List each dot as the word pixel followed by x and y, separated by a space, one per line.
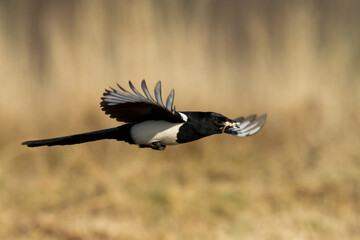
pixel 155 131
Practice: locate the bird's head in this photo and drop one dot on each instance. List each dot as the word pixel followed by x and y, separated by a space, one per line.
pixel 209 123
pixel 219 123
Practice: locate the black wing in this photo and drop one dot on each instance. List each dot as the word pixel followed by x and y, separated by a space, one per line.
pixel 134 107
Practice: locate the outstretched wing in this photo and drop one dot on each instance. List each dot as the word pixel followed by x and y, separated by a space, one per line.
pixel 135 107
pixel 247 126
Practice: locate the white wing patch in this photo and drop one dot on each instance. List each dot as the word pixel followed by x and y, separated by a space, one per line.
pixel 183 116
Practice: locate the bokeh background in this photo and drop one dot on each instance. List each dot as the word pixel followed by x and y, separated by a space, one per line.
pixel 298 61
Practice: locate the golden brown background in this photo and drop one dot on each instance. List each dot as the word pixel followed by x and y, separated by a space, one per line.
pixel 298 61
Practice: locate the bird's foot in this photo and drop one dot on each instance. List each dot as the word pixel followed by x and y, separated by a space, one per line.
pixel 155 145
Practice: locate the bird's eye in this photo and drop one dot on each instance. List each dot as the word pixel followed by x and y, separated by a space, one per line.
pixel 217 120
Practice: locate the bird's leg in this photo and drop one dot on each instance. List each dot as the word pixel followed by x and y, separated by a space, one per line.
pixel 157 146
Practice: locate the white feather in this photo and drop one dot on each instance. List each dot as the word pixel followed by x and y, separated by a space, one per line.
pixel 155 131
pixel 255 130
pixel 183 116
pixel 249 127
pixel 244 124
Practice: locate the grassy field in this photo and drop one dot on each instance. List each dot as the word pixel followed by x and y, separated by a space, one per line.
pixel 297 61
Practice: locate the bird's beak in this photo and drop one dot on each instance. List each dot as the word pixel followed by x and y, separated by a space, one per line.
pixel 228 125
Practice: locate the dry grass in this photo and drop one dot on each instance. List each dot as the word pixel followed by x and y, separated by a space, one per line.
pixel 296 60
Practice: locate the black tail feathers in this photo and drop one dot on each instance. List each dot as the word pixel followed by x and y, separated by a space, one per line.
pixel 121 133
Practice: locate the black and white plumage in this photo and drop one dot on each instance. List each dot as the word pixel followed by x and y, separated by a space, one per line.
pixel 149 122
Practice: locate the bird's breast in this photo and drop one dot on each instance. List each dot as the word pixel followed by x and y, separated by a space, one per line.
pixel 155 131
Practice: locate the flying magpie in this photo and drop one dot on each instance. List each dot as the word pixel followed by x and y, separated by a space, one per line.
pixel 149 123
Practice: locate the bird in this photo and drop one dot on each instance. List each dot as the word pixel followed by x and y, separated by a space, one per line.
pixel 149 123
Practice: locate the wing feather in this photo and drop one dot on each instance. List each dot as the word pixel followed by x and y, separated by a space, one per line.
pixel 170 100
pixel 157 92
pixel 136 91
pixel 247 126
pixel 146 91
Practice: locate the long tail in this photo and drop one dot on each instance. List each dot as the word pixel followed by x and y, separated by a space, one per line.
pixel 121 133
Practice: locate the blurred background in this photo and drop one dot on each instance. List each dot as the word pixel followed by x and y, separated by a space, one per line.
pixel 297 61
